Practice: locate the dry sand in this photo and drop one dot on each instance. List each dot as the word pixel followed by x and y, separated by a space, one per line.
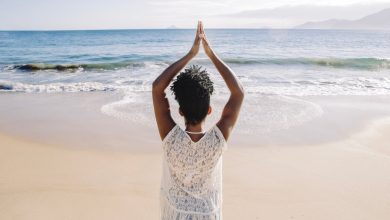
pixel 348 179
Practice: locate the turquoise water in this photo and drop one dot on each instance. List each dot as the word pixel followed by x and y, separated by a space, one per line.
pixel 284 62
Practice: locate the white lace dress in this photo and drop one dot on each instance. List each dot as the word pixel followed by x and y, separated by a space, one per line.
pixel 191 184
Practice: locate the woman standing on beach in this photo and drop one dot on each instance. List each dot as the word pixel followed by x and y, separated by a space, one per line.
pixel 191 186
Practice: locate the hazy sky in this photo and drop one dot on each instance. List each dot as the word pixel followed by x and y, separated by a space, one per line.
pixel 108 14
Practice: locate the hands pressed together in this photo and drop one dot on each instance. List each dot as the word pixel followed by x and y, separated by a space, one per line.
pixel 201 37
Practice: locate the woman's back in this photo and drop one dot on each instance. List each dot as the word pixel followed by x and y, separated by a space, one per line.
pixel 191 186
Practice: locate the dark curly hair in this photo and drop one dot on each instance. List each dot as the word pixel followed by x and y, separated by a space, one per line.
pixel 192 89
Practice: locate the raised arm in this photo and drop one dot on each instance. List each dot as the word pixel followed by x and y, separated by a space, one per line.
pixel 160 103
pixel 232 108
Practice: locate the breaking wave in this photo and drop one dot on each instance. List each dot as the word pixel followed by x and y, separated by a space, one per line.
pixel 32 67
pixel 56 87
pixel 341 63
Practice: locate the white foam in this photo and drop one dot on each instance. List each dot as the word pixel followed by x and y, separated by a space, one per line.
pixel 268 113
pixel 135 106
pixel 337 86
pixel 112 109
pixel 58 87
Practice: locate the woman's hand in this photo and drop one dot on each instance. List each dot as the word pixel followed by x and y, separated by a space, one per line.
pixel 206 45
pixel 195 47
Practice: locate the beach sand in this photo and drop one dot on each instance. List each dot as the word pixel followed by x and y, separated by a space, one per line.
pixel 72 162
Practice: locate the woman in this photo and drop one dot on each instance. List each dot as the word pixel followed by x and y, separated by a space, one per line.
pixel 191 186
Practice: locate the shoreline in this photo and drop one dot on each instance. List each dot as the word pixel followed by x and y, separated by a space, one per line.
pixel 71 120
pixel 76 120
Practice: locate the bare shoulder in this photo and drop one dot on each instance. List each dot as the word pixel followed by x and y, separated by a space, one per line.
pixel 224 129
pixel 169 132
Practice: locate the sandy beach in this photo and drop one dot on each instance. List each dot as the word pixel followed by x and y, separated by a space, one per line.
pixel 70 161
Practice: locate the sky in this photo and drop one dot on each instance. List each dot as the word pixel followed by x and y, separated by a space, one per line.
pixel 124 14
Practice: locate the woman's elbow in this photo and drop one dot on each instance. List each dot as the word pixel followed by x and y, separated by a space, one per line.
pixel 242 93
pixel 239 93
pixel 155 86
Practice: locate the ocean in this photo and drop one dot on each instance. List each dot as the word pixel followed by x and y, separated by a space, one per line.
pixel 277 65
pixel 289 62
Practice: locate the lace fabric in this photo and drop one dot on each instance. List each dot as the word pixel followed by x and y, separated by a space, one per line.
pixel 191 185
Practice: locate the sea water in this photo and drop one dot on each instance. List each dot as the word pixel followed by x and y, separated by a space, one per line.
pixel 276 67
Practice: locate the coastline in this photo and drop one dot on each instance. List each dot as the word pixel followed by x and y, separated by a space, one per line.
pixel 77 120
pixel 78 163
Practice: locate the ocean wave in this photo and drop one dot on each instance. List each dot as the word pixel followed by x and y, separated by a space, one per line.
pixel 347 63
pixel 341 63
pixel 32 67
pixel 296 88
pixel 55 87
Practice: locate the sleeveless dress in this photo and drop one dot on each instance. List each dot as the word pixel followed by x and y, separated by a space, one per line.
pixel 191 184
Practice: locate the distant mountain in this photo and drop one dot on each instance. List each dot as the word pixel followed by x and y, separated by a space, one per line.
pixel 379 20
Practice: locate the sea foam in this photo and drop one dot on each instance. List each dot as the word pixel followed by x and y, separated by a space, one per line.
pixel 55 87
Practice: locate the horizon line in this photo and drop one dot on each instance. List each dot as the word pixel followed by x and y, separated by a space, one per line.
pixel 114 29
pixel 124 29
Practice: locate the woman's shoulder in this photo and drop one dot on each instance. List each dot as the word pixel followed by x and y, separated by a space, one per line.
pixel 219 133
pixel 171 133
pixel 219 136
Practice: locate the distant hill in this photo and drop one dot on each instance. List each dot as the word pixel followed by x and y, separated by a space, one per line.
pixel 379 20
